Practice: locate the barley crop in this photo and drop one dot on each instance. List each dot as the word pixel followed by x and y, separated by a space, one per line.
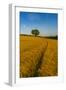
pixel 38 57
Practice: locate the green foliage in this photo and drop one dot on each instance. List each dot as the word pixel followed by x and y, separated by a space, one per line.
pixel 35 32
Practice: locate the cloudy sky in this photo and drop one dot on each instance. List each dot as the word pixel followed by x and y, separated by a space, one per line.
pixel 46 23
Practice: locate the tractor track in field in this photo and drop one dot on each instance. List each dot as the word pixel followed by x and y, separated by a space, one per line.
pixel 40 61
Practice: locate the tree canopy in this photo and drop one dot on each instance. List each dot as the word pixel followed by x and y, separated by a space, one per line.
pixel 35 32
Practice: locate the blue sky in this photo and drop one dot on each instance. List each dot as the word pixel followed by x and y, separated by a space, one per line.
pixel 46 23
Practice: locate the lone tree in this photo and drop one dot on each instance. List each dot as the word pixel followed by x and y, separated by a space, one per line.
pixel 35 32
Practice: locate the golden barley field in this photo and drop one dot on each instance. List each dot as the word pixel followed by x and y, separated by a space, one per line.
pixel 38 57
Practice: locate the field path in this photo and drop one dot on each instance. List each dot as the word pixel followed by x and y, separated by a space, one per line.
pixel 40 61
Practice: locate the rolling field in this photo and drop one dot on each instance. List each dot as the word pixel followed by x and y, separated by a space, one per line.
pixel 38 57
